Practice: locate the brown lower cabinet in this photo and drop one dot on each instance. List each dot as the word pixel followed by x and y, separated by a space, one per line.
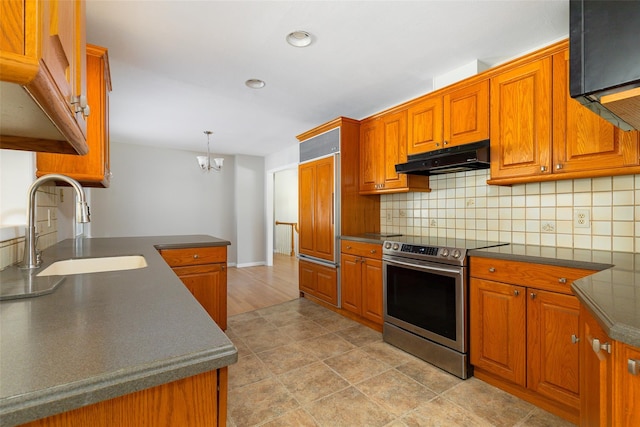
pixel 361 279
pixel 200 400
pixel 610 387
pixel 203 271
pixel 524 337
pixel 318 281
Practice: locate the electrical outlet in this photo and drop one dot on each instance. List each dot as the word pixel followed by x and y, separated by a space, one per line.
pixel 582 218
pixel 403 213
pixel 389 217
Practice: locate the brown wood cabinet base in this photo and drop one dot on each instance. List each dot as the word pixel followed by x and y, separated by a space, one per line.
pixel 563 411
pixel 200 400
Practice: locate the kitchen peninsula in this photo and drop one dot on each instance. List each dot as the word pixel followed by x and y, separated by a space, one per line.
pixel 102 341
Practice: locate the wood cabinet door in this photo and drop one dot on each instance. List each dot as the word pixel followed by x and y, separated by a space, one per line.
pixel 307 280
pixel 521 121
pixel 394 134
pixel 466 114
pixel 582 140
pixel 498 329
pixel 207 283
pixel 372 290
pixel 595 375
pixel 370 159
pixel 626 398
pixel 553 357
pixel 425 132
pixel 351 283
pixel 92 169
pixel 316 208
pixel 327 280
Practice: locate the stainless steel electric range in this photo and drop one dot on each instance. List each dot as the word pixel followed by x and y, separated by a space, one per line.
pixel 426 307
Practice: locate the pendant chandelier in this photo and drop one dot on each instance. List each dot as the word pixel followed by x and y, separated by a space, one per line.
pixel 205 162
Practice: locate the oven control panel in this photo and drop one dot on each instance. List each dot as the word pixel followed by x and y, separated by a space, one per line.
pixel 444 254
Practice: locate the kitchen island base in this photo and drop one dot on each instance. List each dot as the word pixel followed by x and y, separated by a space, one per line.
pixel 200 400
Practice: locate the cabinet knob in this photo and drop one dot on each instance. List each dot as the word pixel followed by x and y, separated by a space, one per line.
pixel 533 295
pixel 559 166
pixel 543 168
pixel 574 339
pixel 516 292
pixel 373 251
pixel 562 280
pixel 348 246
pixel 492 270
pixel 437 144
pixel 445 143
pixel 597 346
pixel 196 256
pixel 633 366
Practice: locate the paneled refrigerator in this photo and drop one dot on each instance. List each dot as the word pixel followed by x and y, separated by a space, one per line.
pixel 330 205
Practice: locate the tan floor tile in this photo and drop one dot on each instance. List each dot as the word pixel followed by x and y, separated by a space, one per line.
pixel 360 335
pixel 490 403
pixel 287 358
pixel 247 370
pixel 425 373
pixel 240 318
pixel 441 412
pixel 297 418
pixel 348 408
pixel 387 353
pixel 541 418
pixel 286 317
pixel 356 365
pixel 328 345
pixel 303 330
pixel 259 402
pixel 312 382
pixel 250 327
pixel 395 392
pixel 266 340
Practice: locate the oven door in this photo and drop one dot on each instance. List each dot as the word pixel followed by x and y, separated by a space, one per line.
pixel 427 299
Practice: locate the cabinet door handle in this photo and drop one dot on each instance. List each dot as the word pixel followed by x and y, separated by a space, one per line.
pixel 597 346
pixel 533 295
pixel 574 339
pixel 633 366
pixel 492 270
pixel 562 280
pixel 516 292
pixel 223 267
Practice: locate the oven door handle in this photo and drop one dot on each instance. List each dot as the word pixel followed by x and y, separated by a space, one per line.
pixel 422 266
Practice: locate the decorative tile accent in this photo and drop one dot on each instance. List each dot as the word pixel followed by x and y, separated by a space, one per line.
pixel 462 206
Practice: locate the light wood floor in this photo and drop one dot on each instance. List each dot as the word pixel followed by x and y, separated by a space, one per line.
pixel 251 288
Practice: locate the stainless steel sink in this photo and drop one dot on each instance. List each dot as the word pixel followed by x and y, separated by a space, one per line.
pixel 93 265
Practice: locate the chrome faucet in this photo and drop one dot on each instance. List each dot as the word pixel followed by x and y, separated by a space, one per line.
pixel 31 259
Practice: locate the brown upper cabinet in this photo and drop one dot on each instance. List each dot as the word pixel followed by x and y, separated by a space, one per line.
pixel 539 133
pixel 383 144
pixel 450 118
pixel 42 76
pixel 92 169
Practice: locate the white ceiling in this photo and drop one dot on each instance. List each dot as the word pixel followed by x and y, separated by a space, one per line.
pixel 178 67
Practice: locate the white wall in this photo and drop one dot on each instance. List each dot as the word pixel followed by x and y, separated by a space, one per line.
pixel 157 191
pixel 250 210
pixel 17 172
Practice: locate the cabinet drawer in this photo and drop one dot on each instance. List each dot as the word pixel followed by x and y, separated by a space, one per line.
pixel 542 276
pixel 194 256
pixel 369 250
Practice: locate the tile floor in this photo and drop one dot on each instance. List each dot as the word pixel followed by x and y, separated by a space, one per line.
pixel 303 365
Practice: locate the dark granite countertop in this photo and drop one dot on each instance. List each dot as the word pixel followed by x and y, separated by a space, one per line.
pixel 612 295
pixel 103 335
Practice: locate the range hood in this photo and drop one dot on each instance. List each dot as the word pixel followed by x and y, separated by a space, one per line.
pixel 460 158
pixel 604 59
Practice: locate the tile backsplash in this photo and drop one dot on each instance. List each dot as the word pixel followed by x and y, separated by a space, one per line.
pixel 463 206
pixel 46 222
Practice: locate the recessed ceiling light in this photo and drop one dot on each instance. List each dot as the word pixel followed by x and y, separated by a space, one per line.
pixel 299 38
pixel 255 83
